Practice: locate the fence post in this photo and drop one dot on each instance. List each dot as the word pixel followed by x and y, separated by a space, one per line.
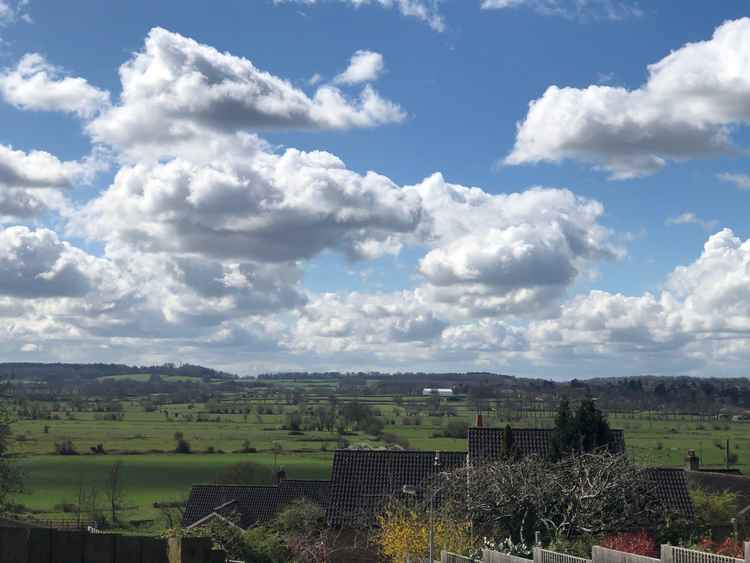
pixel 666 554
pixel 747 552
pixel 537 555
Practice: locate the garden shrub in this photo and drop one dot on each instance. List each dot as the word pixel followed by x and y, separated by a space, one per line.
pixel 639 543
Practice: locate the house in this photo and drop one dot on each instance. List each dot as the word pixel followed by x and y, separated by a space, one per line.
pixel 248 505
pixel 440 392
pixel 363 480
pixel 718 480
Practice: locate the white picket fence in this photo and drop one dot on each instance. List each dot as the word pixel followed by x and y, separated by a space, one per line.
pixel 669 554
pixel 604 555
pixel 489 556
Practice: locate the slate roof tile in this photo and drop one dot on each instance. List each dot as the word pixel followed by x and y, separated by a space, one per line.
pixel 254 504
pixel 362 480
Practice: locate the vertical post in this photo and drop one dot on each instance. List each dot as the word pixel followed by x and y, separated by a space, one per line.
pixel 726 453
pixel 666 554
pixel 432 500
pixel 747 552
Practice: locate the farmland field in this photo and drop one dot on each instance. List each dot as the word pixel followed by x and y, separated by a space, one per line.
pixel 143 439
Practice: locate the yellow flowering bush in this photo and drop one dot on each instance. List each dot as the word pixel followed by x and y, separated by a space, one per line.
pixel 403 532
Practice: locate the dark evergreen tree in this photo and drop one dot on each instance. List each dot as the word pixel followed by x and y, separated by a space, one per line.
pixel 591 426
pixel 508 448
pixel 564 437
pixel 585 431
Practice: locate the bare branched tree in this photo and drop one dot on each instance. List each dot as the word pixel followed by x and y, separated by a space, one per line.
pixel 591 493
pixel 114 489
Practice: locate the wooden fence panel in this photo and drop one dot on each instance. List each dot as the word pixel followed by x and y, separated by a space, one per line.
pixel 40 545
pixel 67 546
pixel 100 548
pixel 14 545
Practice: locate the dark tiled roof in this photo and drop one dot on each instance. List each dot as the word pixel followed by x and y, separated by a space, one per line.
pixel 672 489
pixel 485 444
pixel 362 480
pixel 252 503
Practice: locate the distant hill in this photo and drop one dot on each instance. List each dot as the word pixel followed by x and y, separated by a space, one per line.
pixel 645 392
pixel 58 372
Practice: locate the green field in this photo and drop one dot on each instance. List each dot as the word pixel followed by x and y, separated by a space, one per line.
pixel 147 478
pixel 144 442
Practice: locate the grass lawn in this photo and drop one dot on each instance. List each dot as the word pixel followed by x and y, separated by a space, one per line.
pixel 147 478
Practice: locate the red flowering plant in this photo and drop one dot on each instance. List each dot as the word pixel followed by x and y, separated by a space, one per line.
pixel 639 543
pixel 729 547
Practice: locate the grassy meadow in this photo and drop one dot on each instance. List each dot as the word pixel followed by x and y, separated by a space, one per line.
pixel 145 441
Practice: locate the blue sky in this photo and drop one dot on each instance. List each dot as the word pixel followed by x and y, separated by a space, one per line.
pixel 392 272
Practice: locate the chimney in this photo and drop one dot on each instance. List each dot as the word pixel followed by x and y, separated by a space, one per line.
pixel 693 462
pixel 280 476
pixel 479 422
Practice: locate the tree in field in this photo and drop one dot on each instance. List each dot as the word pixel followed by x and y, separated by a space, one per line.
pixel 586 430
pixel 114 489
pixel 11 479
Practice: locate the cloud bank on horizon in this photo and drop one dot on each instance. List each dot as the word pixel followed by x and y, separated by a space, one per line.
pixel 199 244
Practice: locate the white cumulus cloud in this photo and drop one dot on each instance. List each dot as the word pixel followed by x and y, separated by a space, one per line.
pixel 176 91
pixel 686 109
pixel 253 205
pixel 364 66
pixel 34 84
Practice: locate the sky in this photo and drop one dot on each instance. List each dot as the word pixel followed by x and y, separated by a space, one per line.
pixel 544 188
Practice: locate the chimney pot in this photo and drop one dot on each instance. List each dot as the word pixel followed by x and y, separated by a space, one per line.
pixel 479 421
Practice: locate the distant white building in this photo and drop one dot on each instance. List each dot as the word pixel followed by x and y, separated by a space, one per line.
pixel 441 392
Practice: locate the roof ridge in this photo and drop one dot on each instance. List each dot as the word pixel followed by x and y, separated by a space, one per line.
pixel 214 485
